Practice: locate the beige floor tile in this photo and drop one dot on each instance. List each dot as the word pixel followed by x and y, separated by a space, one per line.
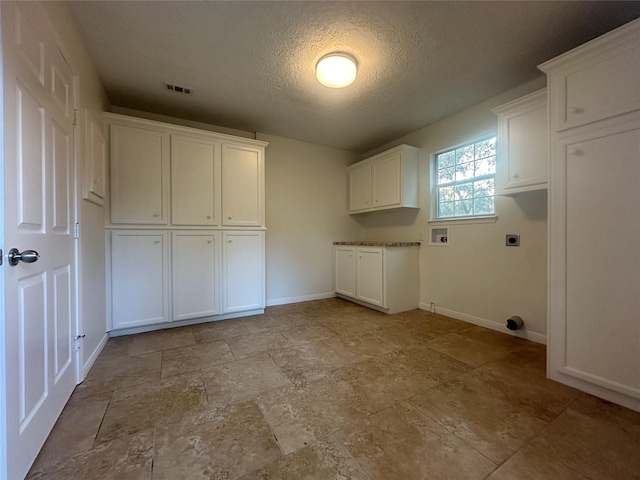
pixel 365 343
pixel 137 408
pixel 222 330
pixel 300 415
pixel 311 361
pixel 128 457
pixel 523 384
pixel 111 372
pixel 266 323
pixel 311 332
pixel 160 340
pixel 242 380
pixel 176 361
pixel 469 350
pixel 441 325
pixel 597 448
pixel 220 443
pixel 257 343
pixel 346 324
pixel 528 464
pixel 493 337
pixel 401 443
pixel 492 426
pixel 405 334
pixel 75 430
pixel 326 460
pixel 622 418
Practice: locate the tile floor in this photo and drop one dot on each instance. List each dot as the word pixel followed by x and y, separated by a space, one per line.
pixel 331 390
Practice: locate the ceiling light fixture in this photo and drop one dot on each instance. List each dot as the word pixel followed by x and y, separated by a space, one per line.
pixel 336 70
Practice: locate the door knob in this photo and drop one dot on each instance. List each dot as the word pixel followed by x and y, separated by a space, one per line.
pixel 28 256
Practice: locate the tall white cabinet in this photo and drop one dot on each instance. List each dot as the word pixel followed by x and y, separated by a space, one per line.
pixel 594 217
pixel 185 232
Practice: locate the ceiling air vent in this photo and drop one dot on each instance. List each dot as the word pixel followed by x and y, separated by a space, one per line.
pixel 178 89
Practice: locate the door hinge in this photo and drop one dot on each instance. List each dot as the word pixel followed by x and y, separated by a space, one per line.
pixel 76 230
pixel 75 117
pixel 1 256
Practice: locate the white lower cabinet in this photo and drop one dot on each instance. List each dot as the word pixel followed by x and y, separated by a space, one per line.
pixel 370 272
pixel 196 274
pixel 382 277
pixel 242 271
pixel 139 283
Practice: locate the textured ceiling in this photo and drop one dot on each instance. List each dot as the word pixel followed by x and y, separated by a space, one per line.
pixel 251 64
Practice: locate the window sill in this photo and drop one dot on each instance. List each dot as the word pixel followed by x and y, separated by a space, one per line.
pixel 465 220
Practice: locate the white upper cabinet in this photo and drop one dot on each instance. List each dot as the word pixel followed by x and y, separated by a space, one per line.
pixel 195 171
pixel 385 181
pixel 523 145
pixel 139 175
pixel 164 174
pixel 600 85
pixel 242 186
pixel 360 188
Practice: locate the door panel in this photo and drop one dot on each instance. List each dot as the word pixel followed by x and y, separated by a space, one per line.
pixel 39 210
pixel 370 274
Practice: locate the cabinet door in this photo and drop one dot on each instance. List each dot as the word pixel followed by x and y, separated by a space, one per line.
pixel 139 175
pixel 139 278
pixel 243 271
pixel 370 276
pixel 345 268
pixel 242 185
pixel 195 170
pixel 386 183
pixel 196 268
pixel 594 330
pixel 360 188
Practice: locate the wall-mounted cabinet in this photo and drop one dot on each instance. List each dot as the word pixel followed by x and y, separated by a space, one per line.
pixel 594 104
pixel 383 276
pixel 523 145
pixel 386 181
pixel 195 185
pixel 139 157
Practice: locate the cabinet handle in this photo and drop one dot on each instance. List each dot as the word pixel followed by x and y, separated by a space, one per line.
pixel 209 217
pixel 156 241
pixel 230 217
pixel 156 214
pixel 96 180
pixel 210 241
pixel 576 110
pixel 230 240
pixel 515 175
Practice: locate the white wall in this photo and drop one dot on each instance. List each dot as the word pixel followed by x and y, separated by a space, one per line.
pixel 306 211
pixel 477 278
pixel 91 96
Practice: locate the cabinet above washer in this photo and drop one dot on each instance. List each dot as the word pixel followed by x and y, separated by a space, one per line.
pixel 385 181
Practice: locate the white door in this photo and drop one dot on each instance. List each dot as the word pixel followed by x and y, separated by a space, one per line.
pixel 195 173
pixel 386 180
pixel 195 262
pixel 242 184
pixel 243 271
pixel 139 273
pixel 360 188
pixel 39 213
pixel 370 275
pixel 345 264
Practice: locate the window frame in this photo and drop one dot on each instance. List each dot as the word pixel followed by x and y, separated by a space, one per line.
pixel 434 200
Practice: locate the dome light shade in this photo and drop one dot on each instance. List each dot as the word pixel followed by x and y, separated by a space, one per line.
pixel 336 70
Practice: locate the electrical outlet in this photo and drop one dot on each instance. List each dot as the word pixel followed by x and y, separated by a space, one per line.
pixel 512 240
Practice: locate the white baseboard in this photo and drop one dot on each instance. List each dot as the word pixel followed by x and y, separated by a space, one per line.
pixel 94 356
pixel 304 298
pixel 483 322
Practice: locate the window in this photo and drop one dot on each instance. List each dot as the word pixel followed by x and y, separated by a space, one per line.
pixel 464 179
